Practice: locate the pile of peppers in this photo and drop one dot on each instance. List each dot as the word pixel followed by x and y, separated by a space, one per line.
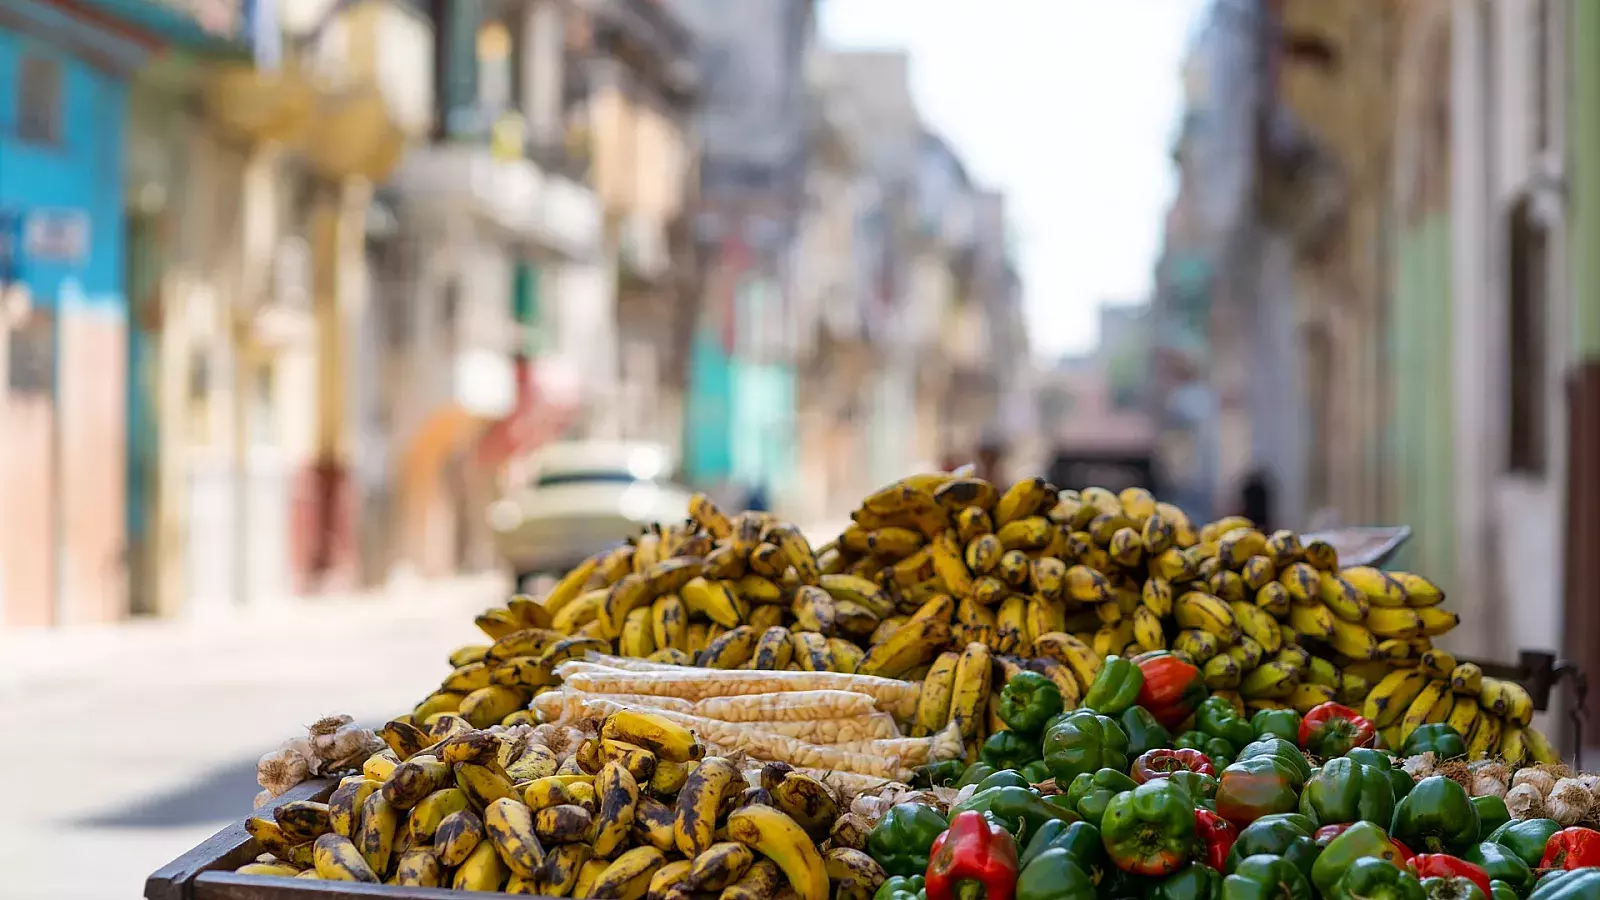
pixel 1152 790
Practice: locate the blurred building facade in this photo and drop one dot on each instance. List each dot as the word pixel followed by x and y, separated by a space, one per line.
pixel 1094 409
pixel 1413 322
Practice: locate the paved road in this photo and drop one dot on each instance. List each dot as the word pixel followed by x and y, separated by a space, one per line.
pixel 132 743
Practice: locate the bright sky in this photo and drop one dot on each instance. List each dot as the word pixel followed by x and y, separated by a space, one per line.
pixel 1069 106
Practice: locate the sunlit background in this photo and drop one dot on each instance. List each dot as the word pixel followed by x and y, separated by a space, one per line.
pixel 325 320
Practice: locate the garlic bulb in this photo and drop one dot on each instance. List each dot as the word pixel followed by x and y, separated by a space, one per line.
pixel 1542 781
pixel 1420 766
pixel 346 747
pixel 1569 802
pixel 1490 778
pixel 1524 801
pixel 282 769
pixel 262 799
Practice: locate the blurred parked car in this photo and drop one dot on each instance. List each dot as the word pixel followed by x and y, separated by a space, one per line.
pixel 582 497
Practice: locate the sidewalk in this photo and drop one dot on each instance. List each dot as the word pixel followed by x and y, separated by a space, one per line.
pixel 138 740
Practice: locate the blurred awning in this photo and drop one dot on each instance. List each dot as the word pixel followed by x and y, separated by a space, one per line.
pixel 206 26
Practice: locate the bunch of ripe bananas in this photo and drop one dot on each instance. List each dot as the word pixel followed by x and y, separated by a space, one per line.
pixel 1493 715
pixel 636 811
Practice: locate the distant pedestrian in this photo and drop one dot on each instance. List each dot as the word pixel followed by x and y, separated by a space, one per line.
pixel 1255 499
pixel 991 454
pixel 756 499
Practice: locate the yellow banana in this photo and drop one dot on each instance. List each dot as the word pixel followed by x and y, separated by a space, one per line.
pixel 1011 626
pixel 1463 714
pixel 638 636
pixel 1072 652
pixel 1156 595
pixel 1147 630
pixel 1539 747
pixel 1061 675
pixel 933 703
pixel 509 826
pixel 1171 564
pixel 344 805
pixel 1484 739
pixel 1258 572
pixel 1258 624
pixel 337 859
pixel 1198 645
pixel 1222 672
pixel 713 599
pixel 1273 597
pixel 1044 616
pixel 426 816
pixel 700 799
pixel 618 793
pixel 782 840
pixel 380 823
pixel 971 522
pixel 959 494
pixel 1437 663
pixel 864 591
pixel 1196 609
pixel 983 554
pixel 1313 620
pixel 1238 545
pixel 773 649
pixel 1307 695
pixel 1321 555
pixel 628 876
pixel 811 651
pixel 561 869
pixel 1353 640
pixel 1394 622
pixel 1346 601
pixel 949 564
pixel 1379 588
pixel 1087 585
pixel 1513 748
pixel 971 689
pixel 1436 621
pixel 1023 498
pixel 1392 696
pixel 1467 678
pixel 1506 699
pixel 583 609
pixel 1422 705
pixel 729 650
pixel 458 834
pixel 1419 591
pixel 915 643
pixel 1302 581
pixel 1273 680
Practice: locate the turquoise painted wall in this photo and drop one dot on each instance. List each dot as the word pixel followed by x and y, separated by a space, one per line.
pixel 1422 426
pixel 708 445
pixel 764 438
pixel 84 172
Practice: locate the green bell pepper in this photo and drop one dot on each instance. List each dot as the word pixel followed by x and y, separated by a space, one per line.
pixel 1028 701
pixel 1143 731
pixel 1440 888
pixel 1217 718
pixel 1219 751
pixel 1374 879
pixel 1526 838
pixel 1440 739
pixel 1347 791
pixel 1200 787
pixel 1009 750
pixel 1003 778
pixel 1036 772
pixel 1436 817
pixel 1080 839
pixel 1084 742
pixel 900 887
pixel 1399 781
pixel 1256 787
pixel 1499 890
pixel 1089 793
pixel 1265 877
pixel 1568 884
pixel 943 773
pixel 1282 751
pixel 1291 836
pixel 975 773
pixel 1055 875
pixel 1115 688
pixel 1279 723
pixel 1359 840
pixel 1492 813
pixel 1191 740
pixel 1196 881
pixel 903 837
pixel 1150 829
pixel 1017 809
pixel 1502 863
pixel 1120 885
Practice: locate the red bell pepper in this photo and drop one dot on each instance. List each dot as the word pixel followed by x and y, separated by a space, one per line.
pixel 1400 848
pixel 1162 762
pixel 1215 836
pixel 1572 848
pixel 1172 687
pixel 1328 832
pixel 972 860
pixel 1443 865
pixel 1332 729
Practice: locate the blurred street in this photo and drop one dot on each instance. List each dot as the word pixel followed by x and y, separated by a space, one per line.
pixel 141 739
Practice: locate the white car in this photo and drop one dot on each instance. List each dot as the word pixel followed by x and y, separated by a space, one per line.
pixel 582 497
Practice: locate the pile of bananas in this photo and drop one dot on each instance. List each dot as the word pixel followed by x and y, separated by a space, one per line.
pixel 635 811
pixel 946 578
